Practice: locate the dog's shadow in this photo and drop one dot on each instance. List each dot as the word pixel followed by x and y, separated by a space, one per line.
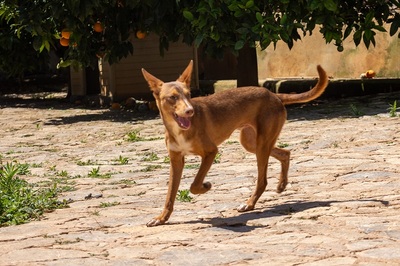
pixel 240 222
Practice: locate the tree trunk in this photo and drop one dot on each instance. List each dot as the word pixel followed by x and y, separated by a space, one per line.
pixel 247 69
pixel 92 80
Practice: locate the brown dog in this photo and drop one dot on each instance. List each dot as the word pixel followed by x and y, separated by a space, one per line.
pixel 197 126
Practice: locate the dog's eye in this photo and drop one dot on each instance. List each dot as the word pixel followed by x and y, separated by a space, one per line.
pixel 173 98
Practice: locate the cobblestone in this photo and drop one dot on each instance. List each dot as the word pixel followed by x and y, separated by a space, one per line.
pixel 341 207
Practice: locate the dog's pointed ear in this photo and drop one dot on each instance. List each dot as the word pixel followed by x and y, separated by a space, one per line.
pixel 186 75
pixel 154 83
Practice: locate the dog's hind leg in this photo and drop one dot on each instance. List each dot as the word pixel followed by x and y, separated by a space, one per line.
pixel 262 154
pixel 247 138
pixel 284 157
pixel 198 187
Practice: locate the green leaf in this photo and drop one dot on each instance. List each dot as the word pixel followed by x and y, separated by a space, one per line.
pixel 198 40
pixel 315 4
pixel 188 15
pixel 368 34
pixel 249 4
pixel 239 45
pixel 395 25
pixel 320 19
pixel 47 45
pixel 380 28
pixel 242 30
pixel 284 36
pixel 347 31
pixel 331 5
pixel 63 63
pixel 328 36
pixel 283 19
pixel 357 37
pixel 37 43
pixel 366 39
pixel 41 48
pixel 238 13
pixel 369 17
pixel 373 41
pixel 259 17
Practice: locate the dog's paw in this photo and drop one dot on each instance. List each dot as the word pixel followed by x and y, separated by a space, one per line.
pixel 206 186
pixel 154 222
pixel 281 187
pixel 244 208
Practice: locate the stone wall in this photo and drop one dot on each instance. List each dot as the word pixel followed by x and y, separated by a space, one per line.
pixel 301 61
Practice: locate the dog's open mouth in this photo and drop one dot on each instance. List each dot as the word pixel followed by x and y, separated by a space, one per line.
pixel 183 122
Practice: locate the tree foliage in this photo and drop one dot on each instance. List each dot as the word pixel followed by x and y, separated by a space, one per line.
pixel 234 23
pixel 216 24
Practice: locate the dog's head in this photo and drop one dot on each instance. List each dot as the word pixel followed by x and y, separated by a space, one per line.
pixel 173 98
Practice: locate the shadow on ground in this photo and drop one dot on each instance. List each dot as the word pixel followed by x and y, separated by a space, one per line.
pixel 319 109
pixel 239 223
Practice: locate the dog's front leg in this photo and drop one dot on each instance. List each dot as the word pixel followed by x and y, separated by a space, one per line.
pixel 176 168
pixel 198 187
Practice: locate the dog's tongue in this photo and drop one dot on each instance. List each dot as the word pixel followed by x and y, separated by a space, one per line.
pixel 183 122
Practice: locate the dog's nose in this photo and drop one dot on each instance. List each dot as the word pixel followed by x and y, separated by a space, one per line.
pixel 189 111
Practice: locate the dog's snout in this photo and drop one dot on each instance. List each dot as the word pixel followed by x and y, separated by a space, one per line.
pixel 189 111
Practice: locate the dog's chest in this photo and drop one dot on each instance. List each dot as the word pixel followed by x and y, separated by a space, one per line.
pixel 180 144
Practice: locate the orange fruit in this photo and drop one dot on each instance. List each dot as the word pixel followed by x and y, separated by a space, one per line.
pixel 141 34
pixel 98 27
pixel 65 34
pixel 115 106
pixel 370 74
pixel 64 42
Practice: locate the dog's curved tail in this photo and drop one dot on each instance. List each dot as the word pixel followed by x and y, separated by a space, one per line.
pixel 309 95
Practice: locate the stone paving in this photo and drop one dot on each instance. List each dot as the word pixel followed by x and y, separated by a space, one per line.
pixel 341 207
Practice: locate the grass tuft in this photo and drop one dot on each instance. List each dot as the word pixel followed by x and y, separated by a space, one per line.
pixel 21 201
pixel 184 196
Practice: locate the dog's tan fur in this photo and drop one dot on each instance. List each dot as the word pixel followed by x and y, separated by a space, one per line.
pixel 197 126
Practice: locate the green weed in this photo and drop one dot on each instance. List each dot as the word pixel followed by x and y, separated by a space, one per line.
pixel 95 173
pixel 62 173
pixel 150 157
pixel 109 204
pixel 134 136
pixel 20 201
pixel 150 168
pixel 122 160
pixel 192 166
pixel 88 162
pixel 354 109
pixel 184 196
pixel 37 165
pixel 217 158
pixel 124 182
pixel 393 109
pixel 282 145
pixel 166 159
